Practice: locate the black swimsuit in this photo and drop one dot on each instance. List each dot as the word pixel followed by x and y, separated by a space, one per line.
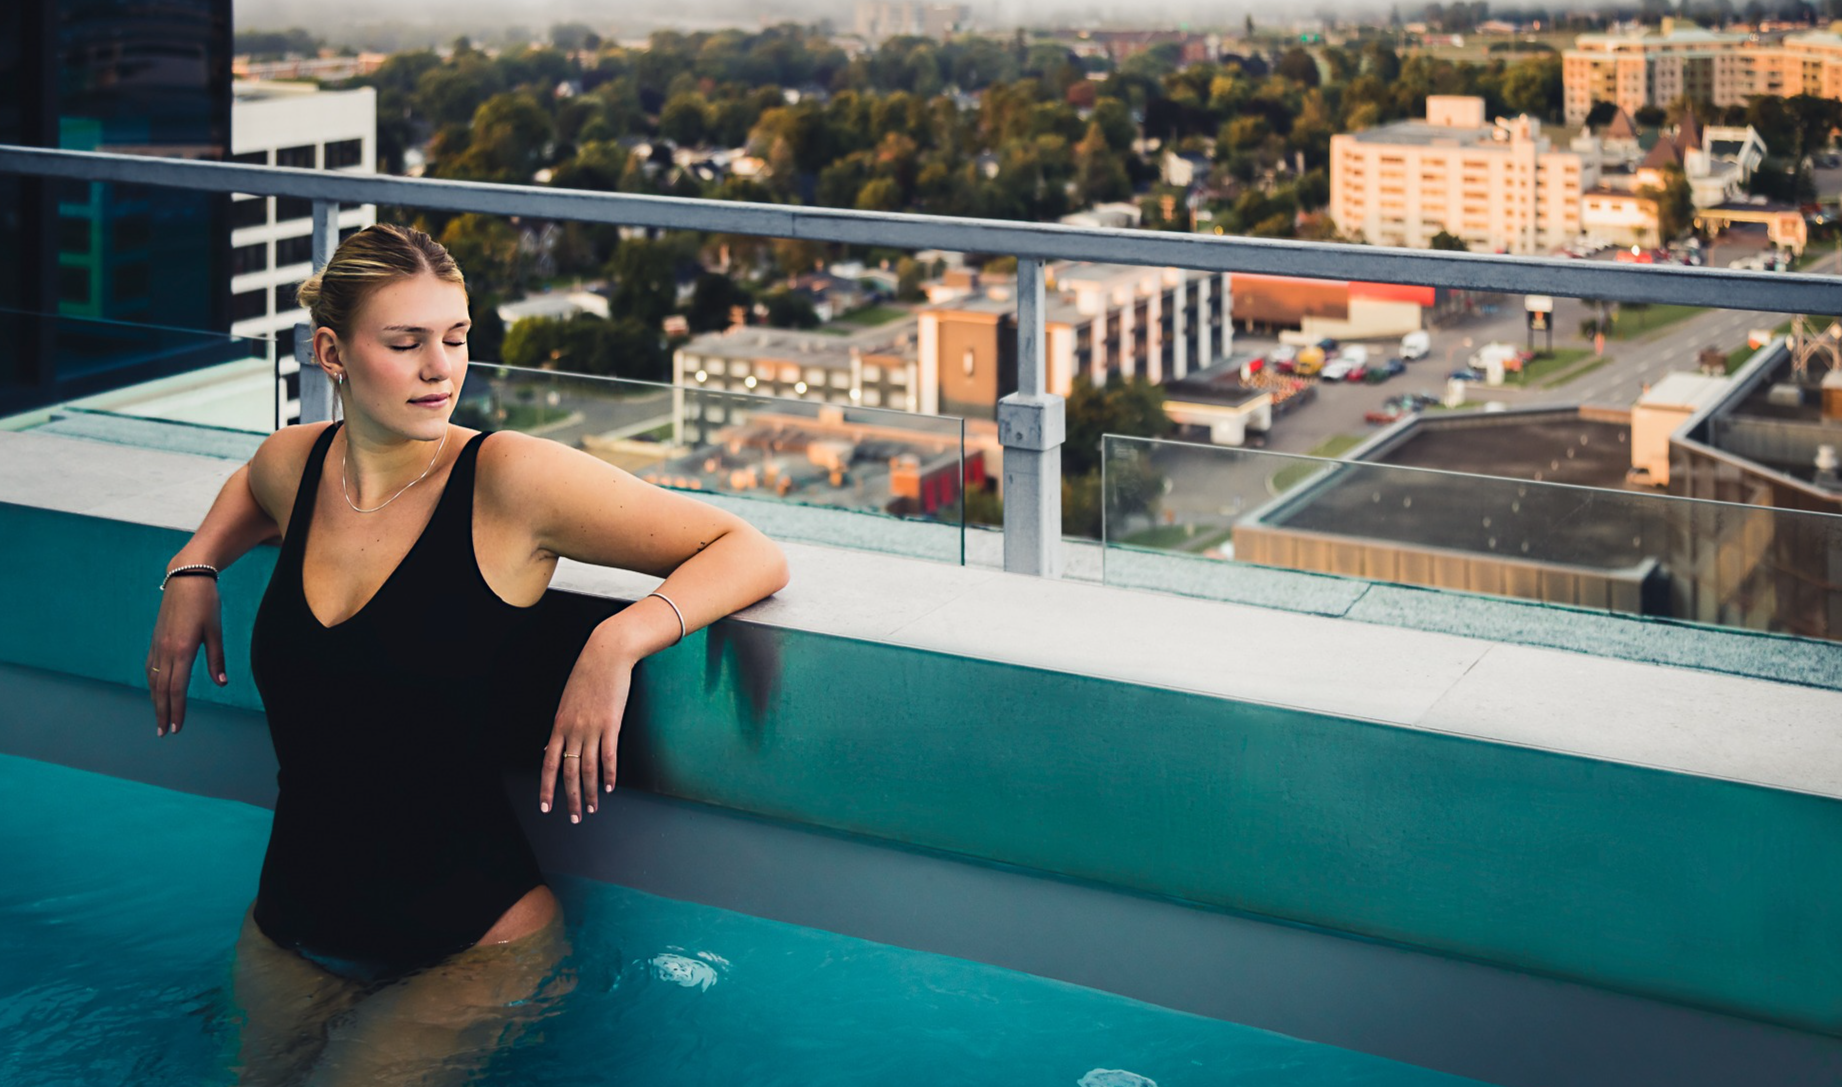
pixel 393 844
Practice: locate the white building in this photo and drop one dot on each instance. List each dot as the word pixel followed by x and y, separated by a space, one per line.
pixel 1501 186
pixel 271 240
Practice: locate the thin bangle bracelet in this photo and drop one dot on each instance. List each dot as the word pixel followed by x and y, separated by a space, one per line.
pixel 195 569
pixel 675 611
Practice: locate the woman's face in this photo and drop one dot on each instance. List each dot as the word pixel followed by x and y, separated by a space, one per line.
pixel 406 356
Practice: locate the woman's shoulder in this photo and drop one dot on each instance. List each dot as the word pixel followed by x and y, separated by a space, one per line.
pixel 275 469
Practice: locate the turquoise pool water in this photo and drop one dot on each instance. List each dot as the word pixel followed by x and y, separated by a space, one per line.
pixel 121 904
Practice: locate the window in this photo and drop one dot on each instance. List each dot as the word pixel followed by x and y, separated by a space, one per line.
pixel 74 285
pixel 301 157
pixel 251 158
pixel 872 398
pixel 296 250
pixel 284 349
pixel 347 231
pixel 249 212
pixel 132 280
pixel 133 231
pixel 73 235
pixel 292 207
pixel 715 366
pixel 875 373
pixel 968 361
pixel 284 297
pixel 343 154
pixel 247 304
pixel 249 258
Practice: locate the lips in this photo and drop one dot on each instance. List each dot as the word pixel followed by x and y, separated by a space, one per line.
pixel 432 401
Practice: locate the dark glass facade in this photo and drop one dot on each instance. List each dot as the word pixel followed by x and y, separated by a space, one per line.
pixel 81 263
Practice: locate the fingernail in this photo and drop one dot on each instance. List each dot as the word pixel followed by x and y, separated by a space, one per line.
pixel 608 788
pixel 158 731
pixel 543 807
pixel 575 818
pixel 222 678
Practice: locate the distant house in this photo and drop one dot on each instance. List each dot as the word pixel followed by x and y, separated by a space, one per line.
pixel 1185 170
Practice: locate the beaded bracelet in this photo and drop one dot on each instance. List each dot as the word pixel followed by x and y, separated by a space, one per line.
pixel 196 569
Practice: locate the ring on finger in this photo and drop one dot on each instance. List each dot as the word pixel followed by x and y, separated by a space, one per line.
pixel 572 754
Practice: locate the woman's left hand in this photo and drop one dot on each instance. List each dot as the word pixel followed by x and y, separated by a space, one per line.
pixel 587 727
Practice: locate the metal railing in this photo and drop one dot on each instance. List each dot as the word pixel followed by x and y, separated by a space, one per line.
pixel 1030 421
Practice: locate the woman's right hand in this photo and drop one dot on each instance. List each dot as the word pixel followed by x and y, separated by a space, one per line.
pixel 190 615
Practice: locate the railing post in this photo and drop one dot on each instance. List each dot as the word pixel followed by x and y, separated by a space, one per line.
pixel 1031 426
pixel 318 404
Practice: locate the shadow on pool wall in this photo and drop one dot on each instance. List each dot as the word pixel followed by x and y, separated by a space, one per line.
pixel 1673 887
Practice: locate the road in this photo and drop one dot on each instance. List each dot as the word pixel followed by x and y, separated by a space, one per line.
pixel 1634 364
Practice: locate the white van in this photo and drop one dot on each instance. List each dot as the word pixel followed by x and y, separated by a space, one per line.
pixel 1415 345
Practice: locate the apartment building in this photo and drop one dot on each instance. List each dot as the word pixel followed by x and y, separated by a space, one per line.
pixel 879 20
pixel 271 241
pixel 1500 186
pixel 1656 68
pixel 1158 323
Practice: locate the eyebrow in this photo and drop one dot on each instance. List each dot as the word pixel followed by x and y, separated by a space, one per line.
pixel 419 328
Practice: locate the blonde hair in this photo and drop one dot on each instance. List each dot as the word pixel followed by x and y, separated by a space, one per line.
pixel 369 259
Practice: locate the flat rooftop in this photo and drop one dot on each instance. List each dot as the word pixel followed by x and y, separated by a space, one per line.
pixel 1435 509
pixel 807 347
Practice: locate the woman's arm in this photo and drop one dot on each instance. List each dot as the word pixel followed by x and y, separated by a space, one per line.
pixel 713 562
pixel 190 613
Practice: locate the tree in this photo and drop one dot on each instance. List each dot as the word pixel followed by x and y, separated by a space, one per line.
pixel 508 140
pixel 487 251
pixel 1099 175
pixel 1674 202
pixel 1298 66
pixel 713 299
pixel 645 281
pixel 1132 407
pixel 685 119
pixel 789 309
pixel 1449 241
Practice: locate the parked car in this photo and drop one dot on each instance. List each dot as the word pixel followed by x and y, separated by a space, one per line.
pixel 1335 370
pixel 1384 415
pixel 1310 361
pixel 1285 352
pixel 1465 373
pixel 1381 372
pixel 1355 354
pixel 1327 344
pixel 1357 371
pixel 1415 345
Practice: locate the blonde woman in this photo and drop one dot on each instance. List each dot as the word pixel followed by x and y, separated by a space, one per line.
pixel 401 921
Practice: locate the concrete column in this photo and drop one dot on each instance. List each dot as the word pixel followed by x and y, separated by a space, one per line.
pixel 1205 338
pixel 1128 348
pixel 1097 362
pixel 1154 336
pixel 1227 315
pixel 1179 329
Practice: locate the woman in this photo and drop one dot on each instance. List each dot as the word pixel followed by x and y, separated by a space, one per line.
pixel 401 921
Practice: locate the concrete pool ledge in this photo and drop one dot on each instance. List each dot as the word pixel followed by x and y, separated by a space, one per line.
pixel 1646 829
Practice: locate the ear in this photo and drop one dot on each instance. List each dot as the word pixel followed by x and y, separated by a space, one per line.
pixel 326 351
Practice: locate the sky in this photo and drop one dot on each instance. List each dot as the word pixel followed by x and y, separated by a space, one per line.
pixel 636 18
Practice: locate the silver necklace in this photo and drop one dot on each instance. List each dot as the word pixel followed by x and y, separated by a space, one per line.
pixel 345 460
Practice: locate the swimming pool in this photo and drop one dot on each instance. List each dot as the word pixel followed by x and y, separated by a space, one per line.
pixel 123 900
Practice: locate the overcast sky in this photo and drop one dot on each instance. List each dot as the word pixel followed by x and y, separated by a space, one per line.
pixel 635 19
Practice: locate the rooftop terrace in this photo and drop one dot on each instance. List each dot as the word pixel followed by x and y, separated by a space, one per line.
pixel 1390 818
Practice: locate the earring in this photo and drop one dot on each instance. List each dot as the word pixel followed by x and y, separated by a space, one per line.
pixel 339 379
